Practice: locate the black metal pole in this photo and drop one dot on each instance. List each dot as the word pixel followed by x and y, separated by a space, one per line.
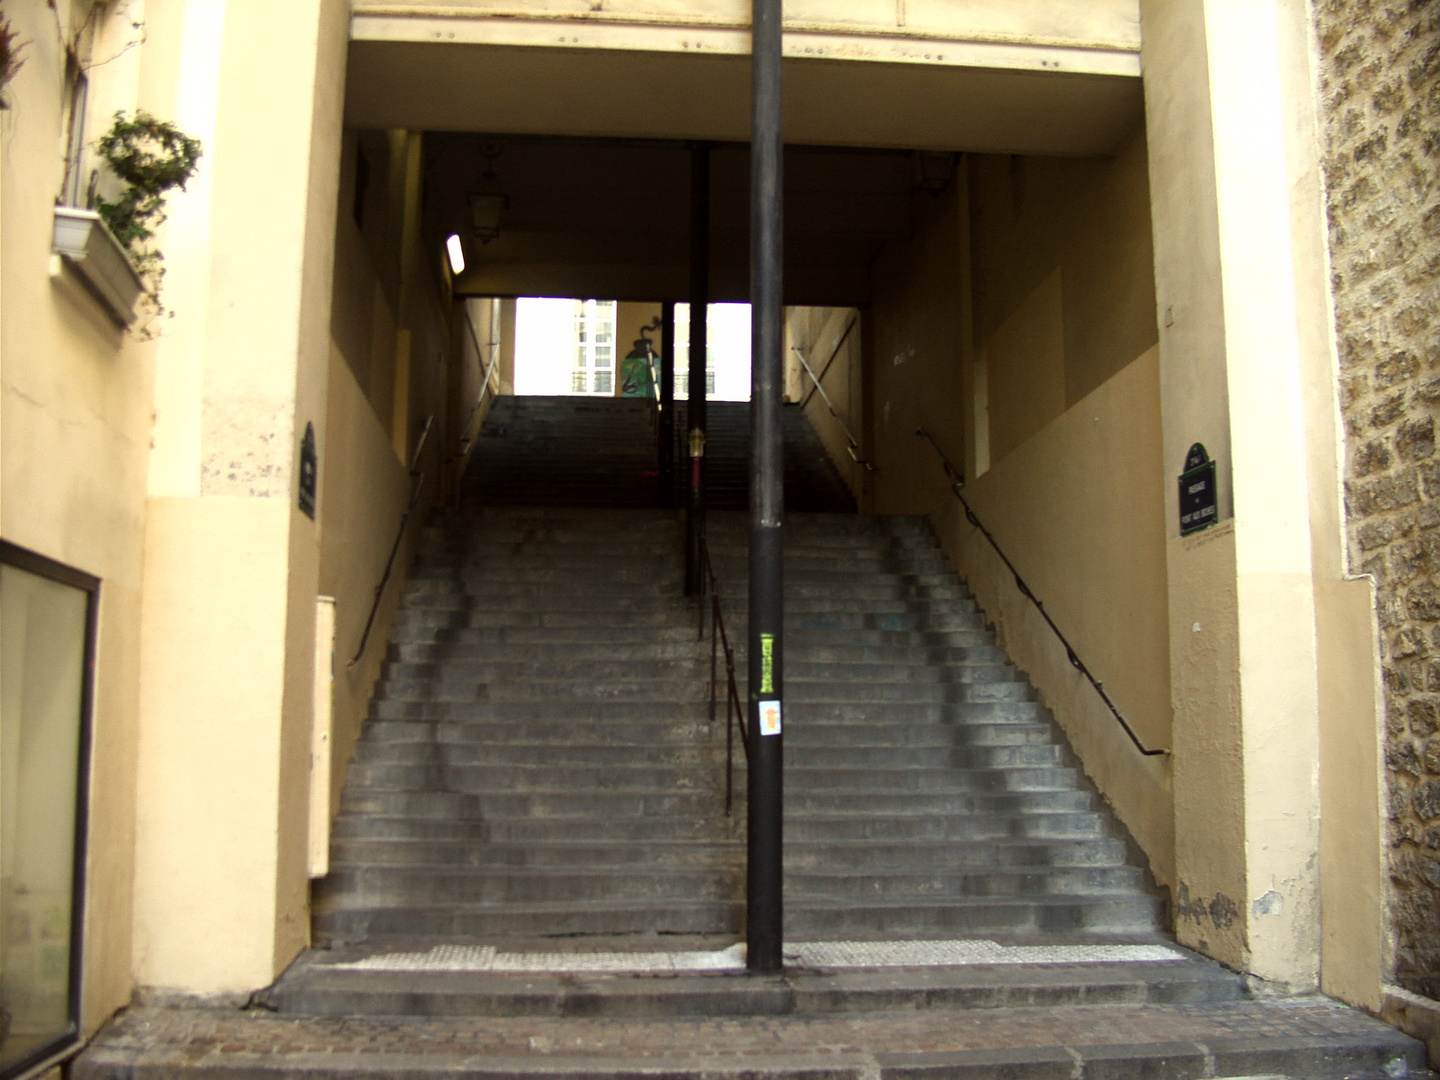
pixel 764 909
pixel 695 414
pixel 665 430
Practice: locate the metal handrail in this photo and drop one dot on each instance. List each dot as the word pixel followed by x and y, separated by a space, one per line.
pixel 957 481
pixel 465 439
pixel 652 399
pixel 830 360
pixel 853 445
pixel 417 484
pixel 719 639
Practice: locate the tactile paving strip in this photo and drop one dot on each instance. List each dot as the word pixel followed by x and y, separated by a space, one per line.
pixel 819 954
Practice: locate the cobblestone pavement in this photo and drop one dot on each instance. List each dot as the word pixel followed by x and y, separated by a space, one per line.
pixel 196 1033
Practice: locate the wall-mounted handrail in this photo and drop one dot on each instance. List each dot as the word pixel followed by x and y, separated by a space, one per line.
pixel 417 483
pixel 834 352
pixel 853 444
pixel 720 640
pixel 957 481
pixel 652 399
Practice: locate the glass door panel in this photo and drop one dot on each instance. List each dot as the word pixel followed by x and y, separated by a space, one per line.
pixel 45 640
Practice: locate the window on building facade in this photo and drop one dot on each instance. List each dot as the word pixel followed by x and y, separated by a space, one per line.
pixel 682 355
pixel 594 371
pixel 47 636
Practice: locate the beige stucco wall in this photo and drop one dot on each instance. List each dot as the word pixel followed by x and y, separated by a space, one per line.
pixel 919 347
pixel 1076 23
pixel 210 763
pixel 401 356
pixel 227 700
pixel 1272 673
pixel 1063 276
pixel 830 339
pixel 1078 508
pixel 74 438
pixel 477 348
pixel 363 491
pixel 1018 328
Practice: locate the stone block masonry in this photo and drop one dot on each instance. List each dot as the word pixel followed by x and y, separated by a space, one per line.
pixel 1380 96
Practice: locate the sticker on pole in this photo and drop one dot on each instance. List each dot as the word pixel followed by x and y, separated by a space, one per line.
pixel 769 718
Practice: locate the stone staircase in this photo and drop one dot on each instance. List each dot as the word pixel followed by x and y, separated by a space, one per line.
pixel 533 874
pixel 811 481
pixel 574 452
pixel 927 793
pixel 537 761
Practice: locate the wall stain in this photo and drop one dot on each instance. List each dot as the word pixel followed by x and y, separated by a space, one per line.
pixel 1269 904
pixel 1220 909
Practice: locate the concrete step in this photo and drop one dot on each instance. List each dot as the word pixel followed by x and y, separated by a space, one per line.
pixel 983 824
pixel 552 668
pixel 799 670
pixel 560 852
pixel 883 714
pixel 805 691
pixel 592 780
pixel 517 712
pixel 689 752
pixel 655 802
pixel 833 724
pixel 680 691
pixel 627 750
pixel 319 985
pixel 1102 916
pixel 961 916
pixel 565 851
pixel 364 887
pixel 806 788
pixel 537 732
pixel 632 830
pixel 931 885
pixel 684 649
pixel 454 922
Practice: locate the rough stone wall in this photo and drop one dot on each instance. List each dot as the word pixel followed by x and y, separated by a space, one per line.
pixel 1380 94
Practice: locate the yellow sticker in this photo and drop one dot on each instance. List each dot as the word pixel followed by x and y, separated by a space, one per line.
pixel 767 663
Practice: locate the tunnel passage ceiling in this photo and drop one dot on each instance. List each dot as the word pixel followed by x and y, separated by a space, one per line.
pixel 611 218
pixel 597 175
pixel 664 95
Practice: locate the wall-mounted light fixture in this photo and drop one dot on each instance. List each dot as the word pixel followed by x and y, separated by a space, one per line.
pixel 488 202
pixel 934 170
pixel 456 250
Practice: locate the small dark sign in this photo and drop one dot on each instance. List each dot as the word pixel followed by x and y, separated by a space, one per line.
pixel 309 472
pixel 1199 505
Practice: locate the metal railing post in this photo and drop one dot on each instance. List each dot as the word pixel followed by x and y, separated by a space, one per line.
pixel 665 436
pixel 764 910
pixel 695 410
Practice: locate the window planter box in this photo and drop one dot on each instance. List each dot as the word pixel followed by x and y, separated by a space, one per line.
pixel 92 251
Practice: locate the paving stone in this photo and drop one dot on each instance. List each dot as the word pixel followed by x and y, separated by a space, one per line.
pixel 1303 1037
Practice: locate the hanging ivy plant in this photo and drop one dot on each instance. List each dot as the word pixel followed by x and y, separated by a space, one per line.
pixel 149 157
